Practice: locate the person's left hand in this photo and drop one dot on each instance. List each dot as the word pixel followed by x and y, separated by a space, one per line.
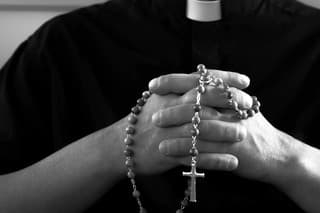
pixel 264 154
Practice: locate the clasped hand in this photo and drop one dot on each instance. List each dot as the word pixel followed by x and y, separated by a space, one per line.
pixel 252 148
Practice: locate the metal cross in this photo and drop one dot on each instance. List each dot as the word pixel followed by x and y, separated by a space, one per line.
pixel 193 175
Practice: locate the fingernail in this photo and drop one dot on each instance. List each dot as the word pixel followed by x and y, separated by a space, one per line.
pixel 233 163
pixel 163 148
pixel 245 80
pixel 153 84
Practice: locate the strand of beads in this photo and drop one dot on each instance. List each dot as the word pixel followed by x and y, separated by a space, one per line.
pixel 240 113
pixel 129 142
pixel 204 80
pixel 129 153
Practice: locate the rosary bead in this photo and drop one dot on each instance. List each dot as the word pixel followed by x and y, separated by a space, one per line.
pixel 197 107
pixel 244 115
pixel 128 152
pixel 226 86
pixel 229 95
pixel 136 193
pixel 204 78
pixel 130 130
pixel 218 81
pixel 141 102
pixel 146 94
pixel 258 104
pixel 195 132
pixel 132 119
pixel 239 114
pixel 129 163
pixel 128 141
pixel 201 89
pixel 136 110
pixel 131 174
pixel 256 108
pixel 201 67
pixel 254 99
pixel 250 112
pixel 184 202
pixel 196 120
pixel 194 152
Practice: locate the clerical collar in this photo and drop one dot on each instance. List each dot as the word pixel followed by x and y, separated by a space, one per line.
pixel 203 11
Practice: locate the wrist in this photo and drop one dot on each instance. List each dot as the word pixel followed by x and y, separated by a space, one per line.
pixel 299 165
pixel 111 146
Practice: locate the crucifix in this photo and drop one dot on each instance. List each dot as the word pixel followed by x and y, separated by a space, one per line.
pixel 193 175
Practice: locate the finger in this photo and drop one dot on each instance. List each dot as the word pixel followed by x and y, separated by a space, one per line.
pixel 182 114
pixel 180 147
pixel 223 162
pixel 215 130
pixel 217 97
pixel 181 83
pixel 209 130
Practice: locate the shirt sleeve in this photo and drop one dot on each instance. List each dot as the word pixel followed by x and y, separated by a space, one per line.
pixel 25 103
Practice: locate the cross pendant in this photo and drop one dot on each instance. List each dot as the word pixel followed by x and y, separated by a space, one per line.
pixel 193 175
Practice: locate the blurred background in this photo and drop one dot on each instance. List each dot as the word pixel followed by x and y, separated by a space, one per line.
pixel 20 18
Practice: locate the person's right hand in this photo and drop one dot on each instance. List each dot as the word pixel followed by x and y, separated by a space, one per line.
pixel 148 159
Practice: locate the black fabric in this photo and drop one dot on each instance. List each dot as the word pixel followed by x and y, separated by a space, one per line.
pixel 82 71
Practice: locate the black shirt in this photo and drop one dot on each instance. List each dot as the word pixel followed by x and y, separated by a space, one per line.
pixel 83 71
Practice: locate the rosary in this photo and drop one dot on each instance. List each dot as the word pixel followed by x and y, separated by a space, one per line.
pixel 205 79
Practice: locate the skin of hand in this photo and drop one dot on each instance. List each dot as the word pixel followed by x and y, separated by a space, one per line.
pixel 147 138
pixel 264 151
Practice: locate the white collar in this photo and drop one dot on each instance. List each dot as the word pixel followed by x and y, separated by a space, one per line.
pixel 204 11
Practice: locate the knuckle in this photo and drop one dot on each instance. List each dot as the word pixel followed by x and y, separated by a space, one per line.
pixel 162 80
pixel 189 97
pixel 187 129
pixel 228 132
pixel 174 147
pixel 224 163
pixel 165 80
pixel 159 117
pixel 230 77
pixel 178 148
pixel 238 77
pixel 236 133
pixel 239 133
pixel 219 163
pixel 244 100
pixel 182 147
pixel 204 127
pixel 239 96
pixel 211 113
pixel 204 113
pixel 249 101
